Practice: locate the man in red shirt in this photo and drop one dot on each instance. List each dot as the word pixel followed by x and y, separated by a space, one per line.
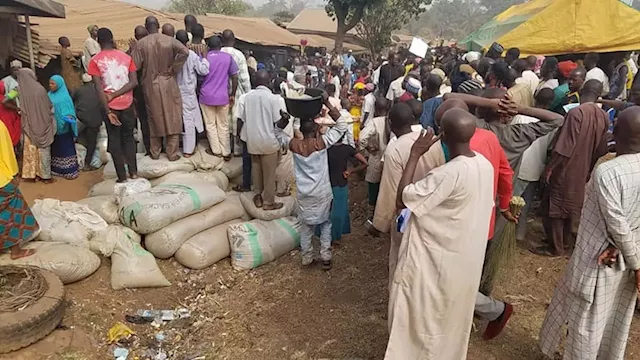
pixel 114 74
pixel 486 143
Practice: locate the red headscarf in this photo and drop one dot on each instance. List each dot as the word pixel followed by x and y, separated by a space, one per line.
pixel 566 67
pixel 10 118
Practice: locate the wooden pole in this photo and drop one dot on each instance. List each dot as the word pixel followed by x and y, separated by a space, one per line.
pixel 30 43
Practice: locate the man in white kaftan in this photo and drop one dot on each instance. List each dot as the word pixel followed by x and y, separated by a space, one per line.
pixel 432 296
pixel 187 80
pixel 594 303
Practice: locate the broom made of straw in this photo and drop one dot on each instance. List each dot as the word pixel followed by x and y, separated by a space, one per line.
pixel 502 252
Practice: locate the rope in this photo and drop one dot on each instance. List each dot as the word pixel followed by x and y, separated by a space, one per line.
pixel 20 287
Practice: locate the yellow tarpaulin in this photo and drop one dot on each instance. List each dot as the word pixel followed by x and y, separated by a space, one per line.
pixel 567 26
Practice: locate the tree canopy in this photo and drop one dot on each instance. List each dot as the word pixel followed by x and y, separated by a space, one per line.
pixel 385 17
pixel 457 18
pixel 347 14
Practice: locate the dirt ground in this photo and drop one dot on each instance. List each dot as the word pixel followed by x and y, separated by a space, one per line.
pixel 280 311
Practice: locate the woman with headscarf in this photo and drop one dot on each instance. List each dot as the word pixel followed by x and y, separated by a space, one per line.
pixel 37 125
pixel 17 223
pixel 9 116
pixel 64 161
pixel 548 74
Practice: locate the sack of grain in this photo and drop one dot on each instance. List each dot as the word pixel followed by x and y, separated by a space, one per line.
pixel 105 206
pixel 166 241
pixel 151 169
pixel 102 188
pixel 158 207
pixel 202 161
pixel 70 263
pixel 215 177
pixel 131 265
pixel 206 248
pixel 166 177
pixel 232 168
pixel 258 242
pixel 288 209
pixel 130 187
pixel 66 221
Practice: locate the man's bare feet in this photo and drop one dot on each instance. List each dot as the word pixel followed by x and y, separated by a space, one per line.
pixel 133 176
pixel 257 201
pixel 18 253
pixel 284 194
pixel 274 206
pixel 174 158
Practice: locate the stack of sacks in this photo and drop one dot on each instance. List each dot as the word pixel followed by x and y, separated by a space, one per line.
pixel 165 242
pixel 107 205
pixel 154 209
pixel 66 229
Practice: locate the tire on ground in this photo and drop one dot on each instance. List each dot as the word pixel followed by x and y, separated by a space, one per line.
pixel 21 329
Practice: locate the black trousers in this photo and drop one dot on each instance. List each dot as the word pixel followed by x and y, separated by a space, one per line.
pixel 122 144
pixel 91 136
pixel 141 109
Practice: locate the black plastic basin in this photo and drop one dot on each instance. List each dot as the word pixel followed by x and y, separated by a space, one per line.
pixel 305 109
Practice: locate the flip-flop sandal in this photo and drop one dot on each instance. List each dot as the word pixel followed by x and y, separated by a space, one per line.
pixel 257 201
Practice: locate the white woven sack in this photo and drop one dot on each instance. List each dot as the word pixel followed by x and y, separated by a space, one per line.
pixel 166 241
pixel 102 188
pixel 232 168
pixel 151 169
pixel 105 206
pixel 288 209
pixel 131 265
pixel 154 209
pixel 70 263
pixel 215 177
pixel 258 242
pixel 206 248
pixel 130 187
pixel 66 221
pixel 166 177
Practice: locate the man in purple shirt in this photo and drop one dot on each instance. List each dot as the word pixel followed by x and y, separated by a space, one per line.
pixel 215 98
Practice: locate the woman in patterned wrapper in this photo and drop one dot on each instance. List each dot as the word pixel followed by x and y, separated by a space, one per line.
pixel 64 161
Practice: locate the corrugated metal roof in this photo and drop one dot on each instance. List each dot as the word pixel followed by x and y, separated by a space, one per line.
pixel 122 18
pixel 315 21
pixel 254 30
pixel 41 8
pixel 118 16
pixel 329 44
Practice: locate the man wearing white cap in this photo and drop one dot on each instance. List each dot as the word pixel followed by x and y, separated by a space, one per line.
pixel 10 81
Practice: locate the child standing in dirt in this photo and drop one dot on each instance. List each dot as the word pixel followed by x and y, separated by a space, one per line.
pixel 339 156
pixel 313 186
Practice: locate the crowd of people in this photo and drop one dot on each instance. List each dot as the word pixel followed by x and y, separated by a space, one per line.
pixel 443 141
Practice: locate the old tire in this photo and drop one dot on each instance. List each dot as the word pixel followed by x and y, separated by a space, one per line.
pixel 21 329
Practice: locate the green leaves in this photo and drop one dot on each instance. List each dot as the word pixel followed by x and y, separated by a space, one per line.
pixel 201 7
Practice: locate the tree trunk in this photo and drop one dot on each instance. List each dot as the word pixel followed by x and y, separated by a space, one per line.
pixel 340 33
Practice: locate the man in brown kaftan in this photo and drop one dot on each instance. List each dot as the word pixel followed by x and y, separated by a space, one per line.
pixel 579 143
pixel 160 57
